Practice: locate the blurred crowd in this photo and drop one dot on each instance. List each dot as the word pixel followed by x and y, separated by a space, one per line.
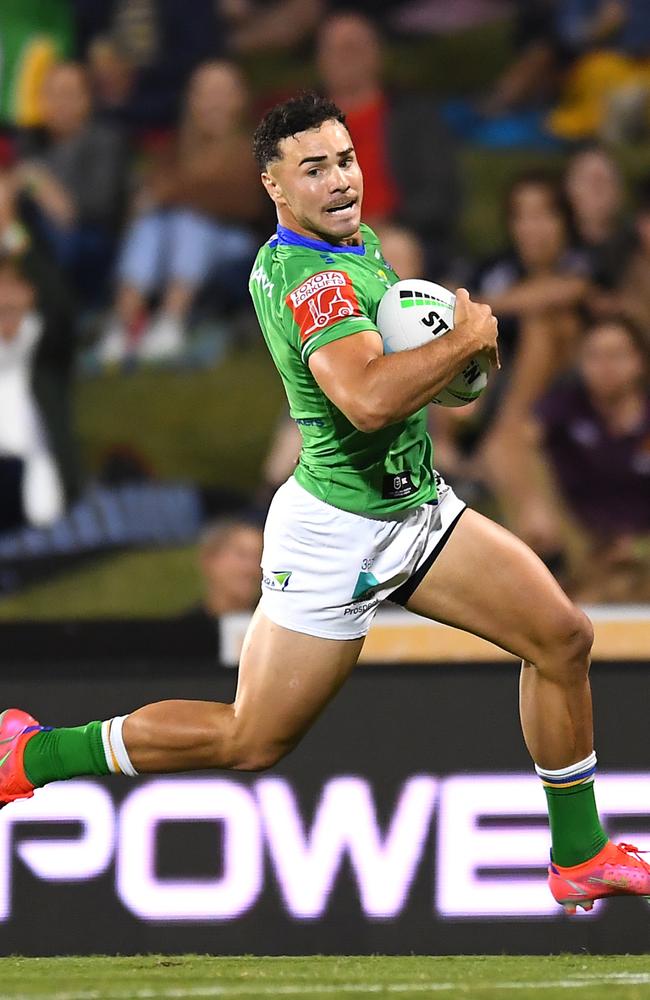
pixel 131 211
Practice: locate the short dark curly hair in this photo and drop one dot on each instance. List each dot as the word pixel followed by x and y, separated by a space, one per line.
pixel 297 114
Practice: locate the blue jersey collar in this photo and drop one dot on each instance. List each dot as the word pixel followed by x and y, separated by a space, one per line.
pixel 291 238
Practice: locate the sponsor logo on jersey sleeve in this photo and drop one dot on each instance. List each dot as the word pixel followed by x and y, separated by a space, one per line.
pixel 321 301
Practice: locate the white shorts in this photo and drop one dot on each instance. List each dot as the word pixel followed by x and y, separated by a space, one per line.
pixel 325 571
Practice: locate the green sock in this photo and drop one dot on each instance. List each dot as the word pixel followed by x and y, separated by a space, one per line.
pixel 576 831
pixel 56 754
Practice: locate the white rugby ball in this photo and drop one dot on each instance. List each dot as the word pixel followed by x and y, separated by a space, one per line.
pixel 411 313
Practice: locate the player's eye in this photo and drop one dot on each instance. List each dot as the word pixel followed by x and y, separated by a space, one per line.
pixel 313 172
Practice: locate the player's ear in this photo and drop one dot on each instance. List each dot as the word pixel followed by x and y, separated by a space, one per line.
pixel 273 189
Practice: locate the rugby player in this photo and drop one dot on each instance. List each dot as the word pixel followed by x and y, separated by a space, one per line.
pixel 364 519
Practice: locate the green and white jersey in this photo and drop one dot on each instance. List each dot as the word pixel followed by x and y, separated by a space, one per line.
pixel 308 293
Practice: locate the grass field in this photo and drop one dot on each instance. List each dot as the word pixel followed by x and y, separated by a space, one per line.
pixel 151 977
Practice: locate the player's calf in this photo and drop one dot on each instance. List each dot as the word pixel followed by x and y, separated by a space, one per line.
pixel 165 737
pixel 557 722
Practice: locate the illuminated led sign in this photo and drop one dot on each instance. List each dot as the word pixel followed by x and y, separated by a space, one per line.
pixel 490 856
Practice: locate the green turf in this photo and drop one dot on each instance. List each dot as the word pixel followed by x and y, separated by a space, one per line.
pixel 494 977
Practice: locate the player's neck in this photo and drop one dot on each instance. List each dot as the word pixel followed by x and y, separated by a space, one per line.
pixel 292 224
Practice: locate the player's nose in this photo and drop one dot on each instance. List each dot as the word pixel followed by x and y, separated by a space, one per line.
pixel 339 180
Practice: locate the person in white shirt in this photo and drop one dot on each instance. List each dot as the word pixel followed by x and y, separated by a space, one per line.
pixel 22 433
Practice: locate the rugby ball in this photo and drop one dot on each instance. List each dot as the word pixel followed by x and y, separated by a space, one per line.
pixel 411 313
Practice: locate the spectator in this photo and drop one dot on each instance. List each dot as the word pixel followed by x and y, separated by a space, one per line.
pixel 537 287
pixel 588 57
pixel 605 92
pixel 537 290
pixel 257 26
pixel 595 191
pixel 195 212
pixel 421 190
pixel 112 79
pixel 631 296
pixel 595 432
pixel 531 79
pixel 230 552
pixel 74 171
pixel 513 112
pixel 157 46
pixel 403 250
pixel 36 467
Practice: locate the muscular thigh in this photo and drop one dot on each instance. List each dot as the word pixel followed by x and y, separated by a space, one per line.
pixel 286 678
pixel 488 582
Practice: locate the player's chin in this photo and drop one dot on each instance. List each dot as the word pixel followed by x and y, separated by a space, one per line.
pixel 344 223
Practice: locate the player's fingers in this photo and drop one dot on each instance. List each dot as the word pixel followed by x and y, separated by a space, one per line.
pixel 462 303
pixel 493 357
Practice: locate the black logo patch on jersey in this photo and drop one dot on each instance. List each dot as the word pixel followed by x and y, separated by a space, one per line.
pixel 397 485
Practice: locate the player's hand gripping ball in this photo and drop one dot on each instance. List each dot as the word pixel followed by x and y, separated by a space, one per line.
pixel 413 312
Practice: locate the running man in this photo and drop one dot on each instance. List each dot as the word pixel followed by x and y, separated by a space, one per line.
pixel 364 519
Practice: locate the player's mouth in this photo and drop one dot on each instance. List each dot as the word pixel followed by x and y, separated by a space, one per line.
pixel 341 207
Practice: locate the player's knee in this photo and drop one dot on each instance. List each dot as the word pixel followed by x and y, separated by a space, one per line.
pixel 579 637
pixel 571 640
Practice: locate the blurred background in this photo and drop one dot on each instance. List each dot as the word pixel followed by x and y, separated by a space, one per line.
pixel 505 147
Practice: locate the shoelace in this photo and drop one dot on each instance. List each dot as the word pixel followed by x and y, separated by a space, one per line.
pixel 635 852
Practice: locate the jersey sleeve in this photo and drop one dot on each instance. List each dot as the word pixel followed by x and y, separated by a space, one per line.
pixel 325 307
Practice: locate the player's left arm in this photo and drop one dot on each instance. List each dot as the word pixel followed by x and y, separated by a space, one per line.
pixel 374 390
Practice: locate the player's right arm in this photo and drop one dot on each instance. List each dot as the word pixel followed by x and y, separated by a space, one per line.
pixel 374 390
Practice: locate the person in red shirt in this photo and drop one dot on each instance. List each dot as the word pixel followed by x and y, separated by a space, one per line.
pixel 421 191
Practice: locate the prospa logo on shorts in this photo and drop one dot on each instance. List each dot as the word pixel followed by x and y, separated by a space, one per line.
pixel 363 597
pixel 366 582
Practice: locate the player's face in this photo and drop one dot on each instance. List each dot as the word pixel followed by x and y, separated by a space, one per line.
pixel 317 185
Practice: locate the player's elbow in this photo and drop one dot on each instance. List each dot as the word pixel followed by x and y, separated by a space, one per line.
pixel 368 411
pixel 368 418
pixel 366 424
